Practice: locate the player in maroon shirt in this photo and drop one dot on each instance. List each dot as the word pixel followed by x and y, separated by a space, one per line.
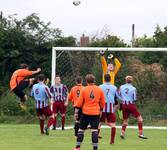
pixel 60 94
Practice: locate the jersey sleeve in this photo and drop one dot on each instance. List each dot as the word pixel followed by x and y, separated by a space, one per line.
pixel 117 65
pixel 25 73
pixel 104 64
pixel 52 92
pixel 134 94
pixel 65 91
pixel 47 91
pixel 70 96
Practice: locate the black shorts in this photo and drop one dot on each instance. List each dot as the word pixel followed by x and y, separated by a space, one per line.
pixel 18 90
pixel 93 120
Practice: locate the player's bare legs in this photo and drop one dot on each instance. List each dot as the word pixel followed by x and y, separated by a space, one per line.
pixel 25 97
pixel 99 128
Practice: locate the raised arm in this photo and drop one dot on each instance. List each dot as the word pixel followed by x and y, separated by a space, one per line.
pixel 117 65
pixel 104 64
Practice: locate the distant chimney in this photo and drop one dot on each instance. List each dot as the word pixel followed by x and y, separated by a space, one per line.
pixel 84 40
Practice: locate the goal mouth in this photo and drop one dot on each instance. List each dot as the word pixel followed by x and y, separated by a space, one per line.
pixel 57 53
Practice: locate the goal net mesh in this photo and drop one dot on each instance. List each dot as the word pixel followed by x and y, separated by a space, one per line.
pixel 70 64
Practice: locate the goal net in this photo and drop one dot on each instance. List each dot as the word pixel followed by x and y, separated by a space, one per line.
pixel 70 62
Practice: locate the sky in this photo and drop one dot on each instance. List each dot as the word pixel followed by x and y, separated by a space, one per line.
pixel 94 17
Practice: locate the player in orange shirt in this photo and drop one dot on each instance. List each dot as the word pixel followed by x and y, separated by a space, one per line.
pixel 19 82
pixel 92 102
pixel 74 98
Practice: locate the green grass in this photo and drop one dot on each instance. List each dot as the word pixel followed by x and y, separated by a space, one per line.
pixel 27 137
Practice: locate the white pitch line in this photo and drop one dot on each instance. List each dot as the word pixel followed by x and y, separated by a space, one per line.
pixel 130 127
pixel 71 127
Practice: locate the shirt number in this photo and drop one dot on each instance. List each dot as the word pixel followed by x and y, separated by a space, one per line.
pixel 92 96
pixel 107 91
pixel 126 90
pixel 78 93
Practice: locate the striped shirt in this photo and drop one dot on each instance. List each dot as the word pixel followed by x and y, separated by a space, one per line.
pixel 59 92
pixel 127 93
pixel 41 94
pixel 110 96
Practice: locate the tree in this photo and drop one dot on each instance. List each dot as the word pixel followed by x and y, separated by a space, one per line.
pixel 27 41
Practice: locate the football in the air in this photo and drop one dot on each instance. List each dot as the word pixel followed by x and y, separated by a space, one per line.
pixel 76 2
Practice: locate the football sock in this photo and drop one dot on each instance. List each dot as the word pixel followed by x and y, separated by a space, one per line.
pixel 63 121
pixel 80 137
pixel 41 126
pixel 124 128
pixel 76 128
pixel 140 127
pixel 113 132
pixel 95 140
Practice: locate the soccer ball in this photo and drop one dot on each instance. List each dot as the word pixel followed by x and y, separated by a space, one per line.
pixel 76 2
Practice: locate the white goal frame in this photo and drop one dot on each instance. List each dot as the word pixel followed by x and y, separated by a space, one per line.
pixel 123 49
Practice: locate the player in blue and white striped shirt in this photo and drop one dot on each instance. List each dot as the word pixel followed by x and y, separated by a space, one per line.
pixel 110 106
pixel 41 94
pixel 127 94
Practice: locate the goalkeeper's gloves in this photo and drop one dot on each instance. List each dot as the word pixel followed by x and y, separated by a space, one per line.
pixel 102 53
pixel 111 56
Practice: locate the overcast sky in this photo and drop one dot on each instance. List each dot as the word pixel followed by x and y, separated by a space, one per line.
pixel 91 16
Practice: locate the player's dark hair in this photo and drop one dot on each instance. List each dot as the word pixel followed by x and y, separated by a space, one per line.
pixel 107 78
pixel 23 66
pixel 78 79
pixel 41 77
pixel 57 75
pixel 90 78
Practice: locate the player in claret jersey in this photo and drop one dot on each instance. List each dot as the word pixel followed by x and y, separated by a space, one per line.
pixel 60 97
pixel 42 95
pixel 127 94
pixel 110 106
pixel 74 98
pixel 92 102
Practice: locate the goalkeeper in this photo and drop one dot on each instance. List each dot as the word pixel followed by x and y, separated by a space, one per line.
pixel 110 68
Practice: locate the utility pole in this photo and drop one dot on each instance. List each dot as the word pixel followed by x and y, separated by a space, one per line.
pixel 133 35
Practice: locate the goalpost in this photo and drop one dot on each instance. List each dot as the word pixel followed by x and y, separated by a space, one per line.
pixel 70 62
pixel 58 51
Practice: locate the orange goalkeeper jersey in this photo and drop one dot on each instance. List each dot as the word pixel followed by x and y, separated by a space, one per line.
pixel 75 93
pixel 112 73
pixel 91 100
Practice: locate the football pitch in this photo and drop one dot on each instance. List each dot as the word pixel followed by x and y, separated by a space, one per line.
pixel 27 137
